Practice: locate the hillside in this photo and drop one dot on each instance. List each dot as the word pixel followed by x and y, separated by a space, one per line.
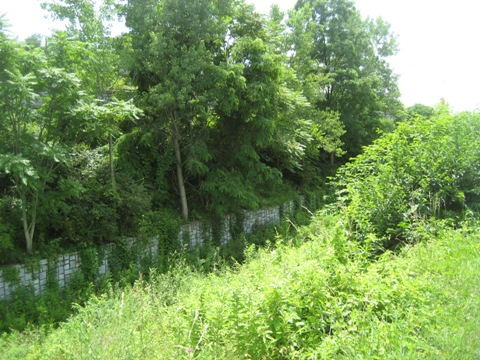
pixel 321 298
pixel 389 270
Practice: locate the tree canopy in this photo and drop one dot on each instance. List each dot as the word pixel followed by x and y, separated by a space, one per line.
pixel 203 107
pixel 341 59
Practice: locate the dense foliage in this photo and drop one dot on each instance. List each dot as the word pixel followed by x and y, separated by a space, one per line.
pixel 343 54
pixel 428 167
pixel 329 290
pixel 202 108
pixel 321 300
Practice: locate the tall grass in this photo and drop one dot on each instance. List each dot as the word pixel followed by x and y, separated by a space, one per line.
pixel 317 296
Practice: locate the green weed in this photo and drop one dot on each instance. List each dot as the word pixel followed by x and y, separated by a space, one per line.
pixel 318 296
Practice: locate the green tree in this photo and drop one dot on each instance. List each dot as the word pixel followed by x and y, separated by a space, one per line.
pixel 342 61
pixel 34 103
pixel 215 83
pixel 176 64
pixel 34 41
pixel 420 110
pixel 86 47
pixel 101 119
pixel 88 20
pixel 264 125
pixel 4 24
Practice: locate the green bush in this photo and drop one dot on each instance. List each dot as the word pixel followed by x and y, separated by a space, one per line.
pixel 25 309
pixel 11 240
pixel 11 274
pixel 122 256
pixel 427 167
pixel 134 201
pixel 90 262
pixel 165 226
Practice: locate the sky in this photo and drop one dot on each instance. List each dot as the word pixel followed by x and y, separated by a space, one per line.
pixel 439 44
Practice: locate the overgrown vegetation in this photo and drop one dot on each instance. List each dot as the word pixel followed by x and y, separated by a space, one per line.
pixel 202 108
pixel 128 261
pixel 426 168
pixel 332 289
pixel 322 298
pixel 233 110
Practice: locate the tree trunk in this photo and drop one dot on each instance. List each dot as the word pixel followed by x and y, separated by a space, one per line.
pixel 332 159
pixel 29 229
pixel 181 182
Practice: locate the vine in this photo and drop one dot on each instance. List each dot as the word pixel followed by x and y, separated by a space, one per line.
pixel 11 274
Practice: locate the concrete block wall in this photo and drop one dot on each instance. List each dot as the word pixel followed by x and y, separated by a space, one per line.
pixel 195 233
pixel 261 218
pixel 66 266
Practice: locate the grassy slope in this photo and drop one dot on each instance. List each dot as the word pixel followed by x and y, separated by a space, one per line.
pixel 322 299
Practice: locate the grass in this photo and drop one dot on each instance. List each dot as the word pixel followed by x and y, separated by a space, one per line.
pixel 317 296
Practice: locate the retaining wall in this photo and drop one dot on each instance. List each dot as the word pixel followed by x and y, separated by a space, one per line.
pixel 195 233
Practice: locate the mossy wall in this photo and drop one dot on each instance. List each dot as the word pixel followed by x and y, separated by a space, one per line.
pixel 192 234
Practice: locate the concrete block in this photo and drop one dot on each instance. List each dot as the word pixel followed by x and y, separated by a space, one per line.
pixel 102 269
pixel 43 276
pixel 28 277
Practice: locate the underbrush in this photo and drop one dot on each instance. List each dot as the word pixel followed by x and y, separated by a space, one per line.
pixel 390 270
pixel 128 262
pixel 315 296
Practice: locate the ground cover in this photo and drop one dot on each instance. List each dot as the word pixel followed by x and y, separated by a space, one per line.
pixel 316 296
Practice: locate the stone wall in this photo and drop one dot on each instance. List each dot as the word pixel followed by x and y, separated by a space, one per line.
pixel 194 233
pixel 197 233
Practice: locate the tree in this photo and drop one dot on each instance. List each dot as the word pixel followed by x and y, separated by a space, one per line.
pixel 175 67
pixel 104 118
pixel 34 41
pixel 420 110
pixel 88 20
pixel 341 60
pixel 215 82
pixel 4 24
pixel 263 126
pixel 34 103
pixel 86 47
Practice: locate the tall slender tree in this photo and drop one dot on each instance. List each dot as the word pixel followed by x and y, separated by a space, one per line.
pixel 176 66
pixel 34 104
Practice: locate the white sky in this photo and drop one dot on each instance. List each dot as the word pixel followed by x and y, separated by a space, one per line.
pixel 439 44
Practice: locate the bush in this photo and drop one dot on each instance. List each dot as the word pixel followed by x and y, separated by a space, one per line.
pixel 322 299
pixel 428 167
pixel 165 226
pixel 11 240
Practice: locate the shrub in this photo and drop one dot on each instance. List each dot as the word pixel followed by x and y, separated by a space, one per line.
pixel 427 167
pixel 165 226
